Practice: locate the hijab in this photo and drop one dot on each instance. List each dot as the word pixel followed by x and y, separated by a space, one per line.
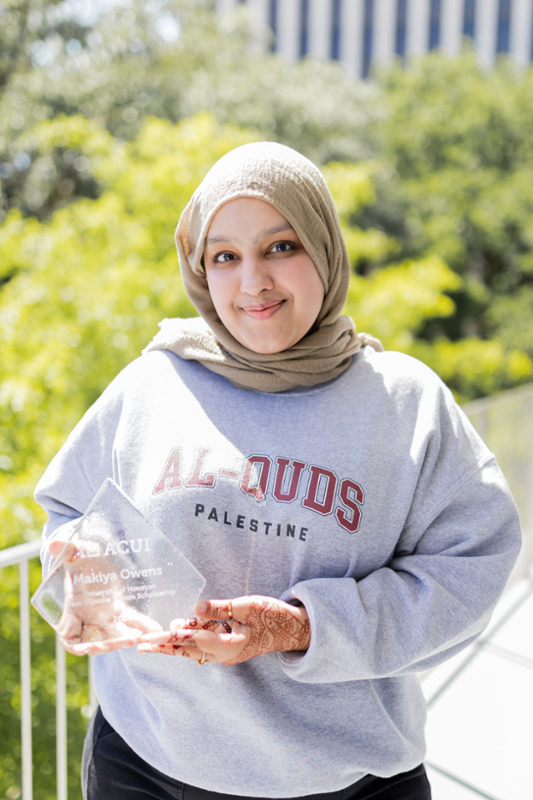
pixel 297 189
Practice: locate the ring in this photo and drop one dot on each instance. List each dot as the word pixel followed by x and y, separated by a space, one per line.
pixel 74 557
pixel 230 610
pixel 95 629
pixel 203 660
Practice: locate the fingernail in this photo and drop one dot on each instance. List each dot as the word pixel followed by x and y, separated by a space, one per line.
pixel 201 607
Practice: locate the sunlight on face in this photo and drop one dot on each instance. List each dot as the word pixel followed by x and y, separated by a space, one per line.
pixel 264 286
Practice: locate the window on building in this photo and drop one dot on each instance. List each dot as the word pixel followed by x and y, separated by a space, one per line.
pixel 401 27
pixel 434 24
pixel 304 28
pixel 273 23
pixel 504 24
pixel 368 29
pixel 469 18
pixel 335 49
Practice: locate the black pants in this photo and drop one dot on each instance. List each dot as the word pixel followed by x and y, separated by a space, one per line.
pixel 111 770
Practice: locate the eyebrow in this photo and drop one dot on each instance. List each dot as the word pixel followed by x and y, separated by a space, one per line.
pixel 264 234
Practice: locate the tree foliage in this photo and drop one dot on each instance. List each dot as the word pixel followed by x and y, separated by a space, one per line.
pixel 399 301
pixel 456 180
pixel 127 64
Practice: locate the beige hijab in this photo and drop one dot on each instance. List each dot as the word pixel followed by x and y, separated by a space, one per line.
pixel 296 188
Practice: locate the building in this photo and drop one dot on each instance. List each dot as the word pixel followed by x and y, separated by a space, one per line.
pixel 362 32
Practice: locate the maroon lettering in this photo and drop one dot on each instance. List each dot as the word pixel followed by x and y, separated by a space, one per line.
pixel 228 473
pixel 323 481
pixel 323 489
pixel 199 458
pixel 261 471
pixel 292 491
pixel 171 475
pixel 350 523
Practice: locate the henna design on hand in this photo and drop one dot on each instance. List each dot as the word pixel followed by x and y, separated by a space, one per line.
pixel 210 623
pixel 174 652
pixel 273 628
pixel 204 624
pixel 264 625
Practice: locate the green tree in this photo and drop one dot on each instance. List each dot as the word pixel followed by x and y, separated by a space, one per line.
pixel 456 153
pixel 169 59
pixel 398 301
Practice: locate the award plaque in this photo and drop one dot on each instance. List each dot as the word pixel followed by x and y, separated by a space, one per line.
pixel 117 576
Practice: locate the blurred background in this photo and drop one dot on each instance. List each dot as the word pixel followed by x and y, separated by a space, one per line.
pixel 419 113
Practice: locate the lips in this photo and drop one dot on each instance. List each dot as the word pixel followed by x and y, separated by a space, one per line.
pixel 263 311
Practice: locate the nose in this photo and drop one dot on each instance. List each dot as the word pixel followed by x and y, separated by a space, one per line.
pixel 255 276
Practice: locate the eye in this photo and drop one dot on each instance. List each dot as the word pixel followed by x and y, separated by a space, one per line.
pixel 223 258
pixel 282 247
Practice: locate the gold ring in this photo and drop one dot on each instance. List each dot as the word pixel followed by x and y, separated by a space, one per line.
pixel 73 558
pixel 230 610
pixel 203 660
pixel 94 628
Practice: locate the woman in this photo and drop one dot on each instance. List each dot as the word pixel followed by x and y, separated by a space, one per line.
pixel 349 522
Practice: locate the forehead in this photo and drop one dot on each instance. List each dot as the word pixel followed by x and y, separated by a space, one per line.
pixel 246 215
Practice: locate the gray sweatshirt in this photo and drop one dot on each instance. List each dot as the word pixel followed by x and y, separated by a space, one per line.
pixel 369 498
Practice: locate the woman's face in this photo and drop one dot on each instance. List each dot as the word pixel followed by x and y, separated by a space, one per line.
pixel 264 286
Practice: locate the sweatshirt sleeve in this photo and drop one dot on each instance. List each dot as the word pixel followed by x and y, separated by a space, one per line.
pixel 427 603
pixel 75 474
pixel 65 494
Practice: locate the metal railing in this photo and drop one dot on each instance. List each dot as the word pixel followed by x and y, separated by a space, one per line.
pixel 21 555
pixel 504 421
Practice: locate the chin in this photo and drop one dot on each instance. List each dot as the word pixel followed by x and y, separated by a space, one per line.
pixel 265 345
pixel 264 348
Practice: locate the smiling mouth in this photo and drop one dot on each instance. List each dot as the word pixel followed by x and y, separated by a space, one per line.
pixel 263 312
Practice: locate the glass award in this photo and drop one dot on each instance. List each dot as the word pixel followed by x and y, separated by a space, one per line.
pixel 117 576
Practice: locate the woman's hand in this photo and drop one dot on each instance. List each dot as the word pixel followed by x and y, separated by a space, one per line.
pixel 93 629
pixel 232 631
